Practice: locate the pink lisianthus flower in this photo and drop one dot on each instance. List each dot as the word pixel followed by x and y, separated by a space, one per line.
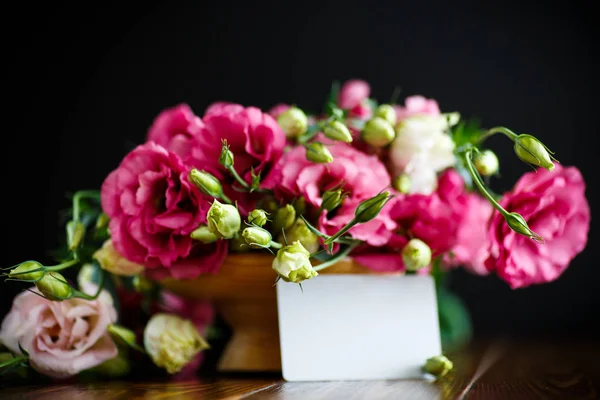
pixel 202 315
pixel 417 105
pixel 555 207
pixel 176 130
pixel 353 97
pixel 153 208
pixel 62 338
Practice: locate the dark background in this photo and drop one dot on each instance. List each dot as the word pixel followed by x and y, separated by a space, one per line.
pixel 80 86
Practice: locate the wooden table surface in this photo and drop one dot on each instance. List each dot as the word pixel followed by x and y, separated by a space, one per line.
pixel 497 369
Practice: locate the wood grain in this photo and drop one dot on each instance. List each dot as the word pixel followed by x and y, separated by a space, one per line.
pixel 488 369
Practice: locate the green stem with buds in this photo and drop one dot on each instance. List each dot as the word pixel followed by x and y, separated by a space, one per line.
pixel 498 129
pixel 337 258
pixel 467 157
pixel 339 233
pixel 243 183
pixel 83 194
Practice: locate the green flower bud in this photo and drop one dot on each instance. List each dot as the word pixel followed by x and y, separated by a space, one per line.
pixel 299 204
pixel 378 132
pixel 22 271
pixel 226 159
pixel 75 233
pixel 416 254
pixel 258 217
pixel 102 221
pixel 332 199
pixel 299 232
pixel 517 223
pixel 54 286
pixel 141 284
pixel 85 275
pixel 533 152
pixel 402 183
pixel 293 122
pixel 336 130
pixel 368 209
pixel 284 217
pixel 292 263
pixel 122 334
pixel 438 366
pixel 452 118
pixel 224 220
pixel 318 153
pixel 257 237
pixel 203 234
pixel 206 183
pixel 486 162
pixel 386 112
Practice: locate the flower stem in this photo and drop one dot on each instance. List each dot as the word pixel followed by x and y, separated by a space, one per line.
pixel 498 129
pixel 243 183
pixel 335 259
pixel 13 361
pixel 479 183
pixel 339 233
pixel 83 194
pixel 275 245
pixel 62 266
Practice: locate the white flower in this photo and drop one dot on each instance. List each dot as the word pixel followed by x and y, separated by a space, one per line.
pixel 172 342
pixel 422 148
pixel 293 263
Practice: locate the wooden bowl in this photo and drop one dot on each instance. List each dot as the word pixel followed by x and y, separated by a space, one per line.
pixel 243 293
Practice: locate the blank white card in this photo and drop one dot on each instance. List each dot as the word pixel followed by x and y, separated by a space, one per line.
pixel 357 327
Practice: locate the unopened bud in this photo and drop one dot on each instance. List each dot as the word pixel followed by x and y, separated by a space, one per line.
pixel 332 199
pixel 452 118
pixel 532 151
pixel 318 153
pixel 378 132
pixel 26 271
pixel 284 217
pixel 75 233
pixel 226 159
pixel 299 204
pixel 102 221
pixel 141 284
pixel 416 254
pixel 336 130
pixel 386 112
pixel 301 233
pixel 203 234
pixel 368 209
pixel 206 183
pixel 257 217
pixel 85 276
pixel 54 286
pixel 292 263
pixel 224 220
pixel 402 183
pixel 257 237
pixel 517 223
pixel 486 162
pixel 293 122
pixel 438 366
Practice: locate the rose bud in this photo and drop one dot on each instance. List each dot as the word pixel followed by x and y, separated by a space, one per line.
pixel 318 153
pixel 203 234
pixel 257 237
pixel 284 217
pixel 292 263
pixel 300 232
pixel 332 199
pixel 517 223
pixel 54 287
pixel 26 271
pixel 75 233
pixel 257 217
pixel 438 366
pixel 172 342
pixel 532 151
pixel 110 260
pixel 293 122
pixel 336 130
pixel 387 112
pixel 226 158
pixel 416 254
pixel 402 183
pixel 378 132
pixel 486 163
pixel 223 220
pixel 368 209
pixel 206 183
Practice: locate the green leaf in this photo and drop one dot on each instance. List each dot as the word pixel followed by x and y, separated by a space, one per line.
pixel 466 132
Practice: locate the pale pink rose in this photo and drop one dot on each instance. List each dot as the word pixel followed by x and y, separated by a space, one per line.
pixel 472 245
pixel 434 218
pixel 153 208
pixel 62 338
pixel 353 97
pixel 202 315
pixel 278 109
pixel 417 105
pixel 176 129
pixel 555 207
pixel 359 174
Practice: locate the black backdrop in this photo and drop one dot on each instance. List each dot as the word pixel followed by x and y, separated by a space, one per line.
pixel 80 86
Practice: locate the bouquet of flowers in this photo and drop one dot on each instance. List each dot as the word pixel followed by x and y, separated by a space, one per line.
pixel 400 188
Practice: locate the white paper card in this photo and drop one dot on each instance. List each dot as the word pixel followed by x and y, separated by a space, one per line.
pixel 357 327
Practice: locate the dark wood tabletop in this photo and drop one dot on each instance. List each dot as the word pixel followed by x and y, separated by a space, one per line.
pixel 486 369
